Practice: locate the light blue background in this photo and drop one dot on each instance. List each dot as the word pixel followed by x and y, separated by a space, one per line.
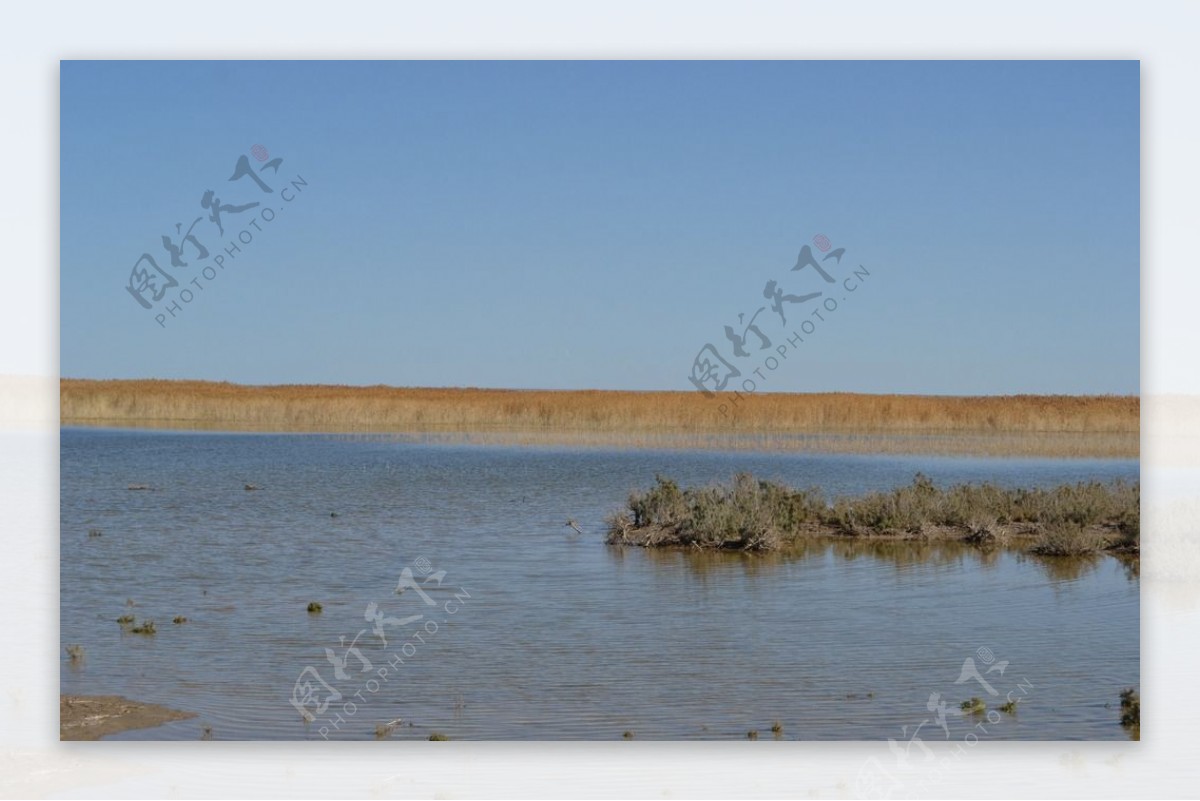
pixel 580 224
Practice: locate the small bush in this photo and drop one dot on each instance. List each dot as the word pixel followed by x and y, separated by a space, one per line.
pixel 975 706
pixel 1130 526
pixel 662 505
pixel 753 515
pixel 1066 538
pixel 983 530
pixel 1131 712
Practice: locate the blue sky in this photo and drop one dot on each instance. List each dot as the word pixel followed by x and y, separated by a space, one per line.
pixel 595 224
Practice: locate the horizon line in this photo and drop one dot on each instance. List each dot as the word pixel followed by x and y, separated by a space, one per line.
pixel 470 388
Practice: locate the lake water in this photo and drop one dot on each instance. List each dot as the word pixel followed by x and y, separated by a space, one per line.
pixel 537 632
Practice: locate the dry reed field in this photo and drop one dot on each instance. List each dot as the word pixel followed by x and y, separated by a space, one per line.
pixel 1028 425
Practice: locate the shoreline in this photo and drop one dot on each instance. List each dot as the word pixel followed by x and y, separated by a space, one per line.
pixel 1012 426
pixel 1021 538
pixel 946 444
pixel 92 717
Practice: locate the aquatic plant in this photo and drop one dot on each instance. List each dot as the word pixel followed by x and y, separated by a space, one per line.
pixel 1131 712
pixel 1009 707
pixel 95 532
pixel 1067 538
pixel 975 706
pixel 752 734
pixel 1130 526
pixel 777 728
pixel 179 619
pixel 145 627
pixel 125 620
pixel 206 733
pixel 753 515
pixel 75 652
pixel 314 608
pixel 438 737
pixel 747 515
pixel 627 735
pixel 984 530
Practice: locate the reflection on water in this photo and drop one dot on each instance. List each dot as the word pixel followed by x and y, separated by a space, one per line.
pixel 1067 568
pixel 1131 565
pixel 560 635
pixel 901 554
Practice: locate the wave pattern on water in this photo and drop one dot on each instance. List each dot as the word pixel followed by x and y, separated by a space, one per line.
pixel 561 637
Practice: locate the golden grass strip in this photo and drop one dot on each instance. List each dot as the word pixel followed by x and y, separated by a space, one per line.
pixel 1105 426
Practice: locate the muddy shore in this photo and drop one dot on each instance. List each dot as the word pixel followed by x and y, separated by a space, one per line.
pixel 90 717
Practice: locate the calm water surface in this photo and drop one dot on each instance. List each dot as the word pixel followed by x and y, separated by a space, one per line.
pixel 537 632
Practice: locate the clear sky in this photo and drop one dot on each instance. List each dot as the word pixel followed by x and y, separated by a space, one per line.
pixel 595 224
